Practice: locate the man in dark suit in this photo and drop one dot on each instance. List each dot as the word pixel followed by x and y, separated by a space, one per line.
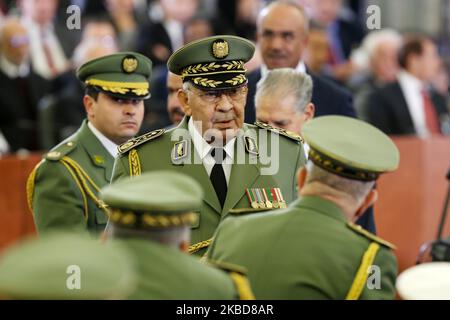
pixel 407 106
pixel 20 89
pixel 282 36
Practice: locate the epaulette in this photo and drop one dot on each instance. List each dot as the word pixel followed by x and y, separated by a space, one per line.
pixel 289 134
pixel 60 151
pixel 358 229
pixel 226 266
pixel 130 144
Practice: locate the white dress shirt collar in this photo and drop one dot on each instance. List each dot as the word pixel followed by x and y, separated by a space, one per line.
pixel 203 149
pixel 13 71
pixel 412 88
pixel 108 144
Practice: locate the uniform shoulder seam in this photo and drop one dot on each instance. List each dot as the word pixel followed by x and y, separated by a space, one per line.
pixel 134 142
pixel 288 134
pixel 360 231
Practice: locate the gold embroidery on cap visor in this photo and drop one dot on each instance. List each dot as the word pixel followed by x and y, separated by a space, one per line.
pixel 138 88
pixel 336 167
pixel 220 49
pixel 151 220
pixel 214 75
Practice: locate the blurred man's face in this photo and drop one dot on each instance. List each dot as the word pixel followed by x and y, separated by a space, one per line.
pixel 100 32
pixel 41 12
pixel 174 108
pixel 281 36
pixel 324 11
pixel 384 61
pixel 180 10
pixel 118 119
pixel 429 61
pixel 317 51
pixel 281 112
pixel 15 44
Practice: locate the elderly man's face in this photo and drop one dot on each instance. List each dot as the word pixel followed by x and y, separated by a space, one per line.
pixel 281 112
pixel 282 36
pixel 216 113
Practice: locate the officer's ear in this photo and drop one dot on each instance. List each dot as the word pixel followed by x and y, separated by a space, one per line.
pixel 88 103
pixel 184 101
pixel 369 200
pixel 184 246
pixel 301 177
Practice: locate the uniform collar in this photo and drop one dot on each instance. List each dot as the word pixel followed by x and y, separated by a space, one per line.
pixel 110 146
pixel 202 147
pixel 321 206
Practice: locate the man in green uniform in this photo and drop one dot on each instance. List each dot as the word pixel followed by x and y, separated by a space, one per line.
pixel 239 166
pixel 312 250
pixel 151 216
pixel 63 188
pixel 66 266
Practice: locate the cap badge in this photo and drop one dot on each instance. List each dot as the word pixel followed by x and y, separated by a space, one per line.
pixel 129 64
pixel 220 49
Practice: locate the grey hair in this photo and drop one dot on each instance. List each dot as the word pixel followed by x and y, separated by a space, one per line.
pixel 171 237
pixel 284 82
pixel 354 188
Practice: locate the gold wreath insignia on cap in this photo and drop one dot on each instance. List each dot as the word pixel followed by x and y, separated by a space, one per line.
pixel 129 64
pixel 220 49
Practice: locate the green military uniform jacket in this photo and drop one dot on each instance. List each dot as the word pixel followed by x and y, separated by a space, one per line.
pixel 173 150
pixel 167 274
pixel 62 189
pixel 308 251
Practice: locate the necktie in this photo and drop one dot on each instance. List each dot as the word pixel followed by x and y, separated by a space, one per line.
pixel 431 118
pixel 217 176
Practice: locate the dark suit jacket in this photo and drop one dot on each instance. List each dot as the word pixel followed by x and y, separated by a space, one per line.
pixel 387 109
pixel 19 99
pixel 327 97
pixel 151 35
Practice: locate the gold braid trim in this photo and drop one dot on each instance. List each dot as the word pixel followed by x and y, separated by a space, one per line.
pixel 361 276
pixel 30 186
pixel 200 245
pixel 135 163
pixel 243 286
pixel 138 88
pixel 237 80
pixel 83 194
pixel 208 67
pixel 84 179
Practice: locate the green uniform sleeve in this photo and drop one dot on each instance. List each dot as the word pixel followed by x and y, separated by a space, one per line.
pixel 301 162
pixel 57 200
pixel 381 280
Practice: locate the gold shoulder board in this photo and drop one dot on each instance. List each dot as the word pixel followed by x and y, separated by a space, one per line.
pixel 60 151
pixel 358 229
pixel 130 144
pixel 289 134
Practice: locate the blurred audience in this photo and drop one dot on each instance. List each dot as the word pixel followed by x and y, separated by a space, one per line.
pixel 50 42
pixel 122 14
pixel 63 112
pixel 159 39
pixel 344 33
pixel 377 59
pixel 20 88
pixel 409 106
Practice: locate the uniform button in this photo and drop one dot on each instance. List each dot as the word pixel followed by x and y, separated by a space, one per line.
pixel 69 144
